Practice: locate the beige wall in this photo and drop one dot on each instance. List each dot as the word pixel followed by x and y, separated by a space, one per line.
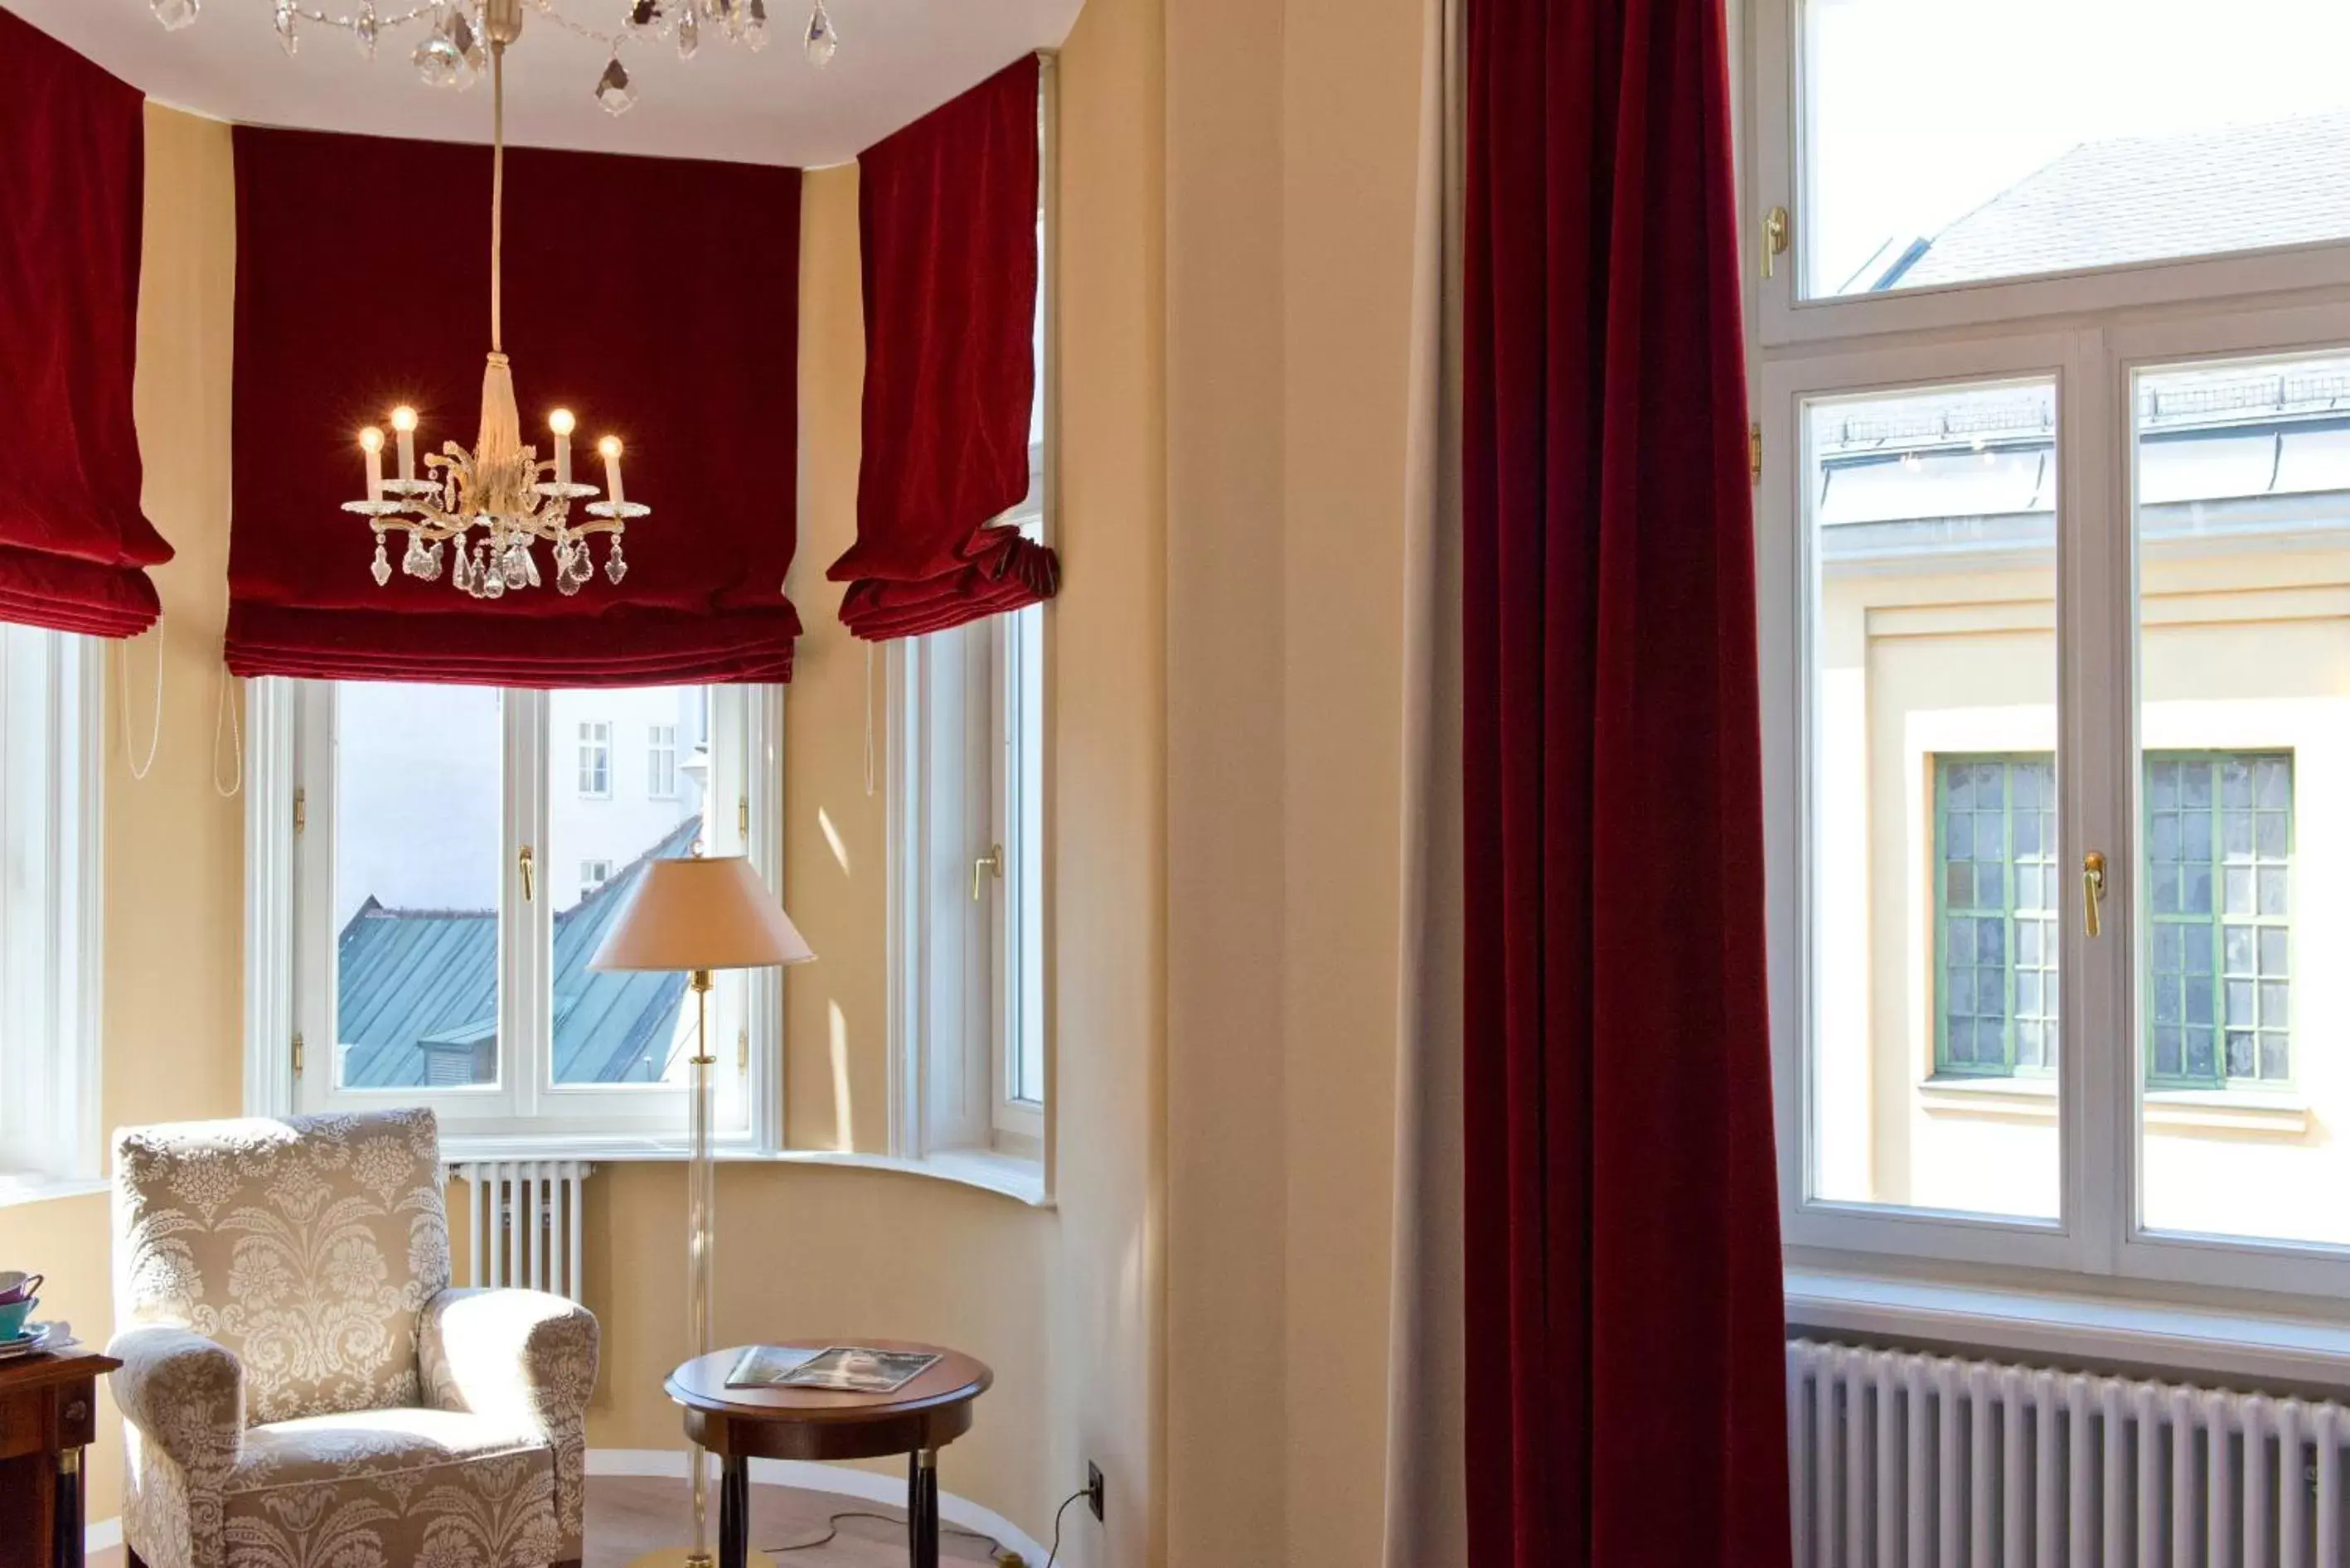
pixel 1291 170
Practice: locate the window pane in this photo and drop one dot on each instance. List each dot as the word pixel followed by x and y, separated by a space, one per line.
pixel 1948 141
pixel 2243 511
pixel 621 1028
pixel 1930 521
pixel 419 804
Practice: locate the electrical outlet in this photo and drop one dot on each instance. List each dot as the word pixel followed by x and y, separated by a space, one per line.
pixel 1094 1488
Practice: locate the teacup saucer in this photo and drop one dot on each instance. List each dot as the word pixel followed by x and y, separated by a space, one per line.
pixel 36 1337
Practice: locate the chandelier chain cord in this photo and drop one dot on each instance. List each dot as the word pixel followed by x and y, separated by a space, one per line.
pixel 227 709
pixel 497 192
pixel 139 770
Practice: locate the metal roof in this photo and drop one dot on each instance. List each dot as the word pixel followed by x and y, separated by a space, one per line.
pixel 409 979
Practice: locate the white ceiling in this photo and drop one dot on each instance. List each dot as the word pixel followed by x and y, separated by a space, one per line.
pixel 898 59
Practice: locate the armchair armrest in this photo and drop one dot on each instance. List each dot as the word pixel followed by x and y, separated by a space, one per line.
pixel 522 1354
pixel 184 1394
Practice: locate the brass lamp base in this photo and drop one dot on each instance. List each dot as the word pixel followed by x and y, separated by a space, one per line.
pixel 683 1557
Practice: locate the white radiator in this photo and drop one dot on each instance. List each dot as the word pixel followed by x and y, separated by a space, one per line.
pixel 1907 1460
pixel 526 1222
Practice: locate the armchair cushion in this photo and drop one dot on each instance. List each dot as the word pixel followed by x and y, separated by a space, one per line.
pixel 524 1358
pixel 389 1488
pixel 307 1247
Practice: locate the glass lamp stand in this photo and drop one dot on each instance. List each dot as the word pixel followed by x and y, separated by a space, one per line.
pixel 701 1238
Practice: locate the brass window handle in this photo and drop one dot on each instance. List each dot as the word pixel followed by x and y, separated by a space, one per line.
pixel 524 860
pixel 984 867
pixel 1774 236
pixel 2093 889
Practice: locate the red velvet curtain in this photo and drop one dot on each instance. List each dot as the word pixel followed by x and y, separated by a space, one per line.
pixel 658 299
pixel 73 157
pixel 947 218
pixel 1623 1291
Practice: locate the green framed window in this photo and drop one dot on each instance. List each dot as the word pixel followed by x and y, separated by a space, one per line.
pixel 2219 976
pixel 1995 915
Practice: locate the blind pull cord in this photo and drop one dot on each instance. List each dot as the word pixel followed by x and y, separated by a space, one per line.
pixel 138 770
pixel 226 711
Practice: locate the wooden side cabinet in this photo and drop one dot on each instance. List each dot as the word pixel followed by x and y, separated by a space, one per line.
pixel 49 1415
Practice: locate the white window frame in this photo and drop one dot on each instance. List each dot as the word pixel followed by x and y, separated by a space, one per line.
pixel 661 762
pixel 968 974
pixel 2089 332
pixel 52 821
pixel 595 759
pixel 290 981
pixel 593 873
pixel 1787 318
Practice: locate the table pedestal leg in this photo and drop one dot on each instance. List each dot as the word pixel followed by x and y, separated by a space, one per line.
pixel 923 1509
pixel 735 1512
pixel 65 1515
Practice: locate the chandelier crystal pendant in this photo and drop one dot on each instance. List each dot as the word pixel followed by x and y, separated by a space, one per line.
pixel 494 503
pixel 450 55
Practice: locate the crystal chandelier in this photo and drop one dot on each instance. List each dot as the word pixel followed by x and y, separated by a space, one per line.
pixel 500 488
pixel 454 55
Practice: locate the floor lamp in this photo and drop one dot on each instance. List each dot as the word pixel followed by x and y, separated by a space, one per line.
pixel 697 916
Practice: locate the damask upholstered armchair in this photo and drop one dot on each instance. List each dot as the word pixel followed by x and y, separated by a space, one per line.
pixel 300 1384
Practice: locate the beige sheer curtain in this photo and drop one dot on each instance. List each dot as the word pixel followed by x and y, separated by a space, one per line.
pixel 1426 1518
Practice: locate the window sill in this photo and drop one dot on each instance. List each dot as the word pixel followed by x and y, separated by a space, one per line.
pixel 2026 1099
pixel 16 1190
pixel 1021 1179
pixel 2167 1110
pixel 2268 1350
pixel 2231 1110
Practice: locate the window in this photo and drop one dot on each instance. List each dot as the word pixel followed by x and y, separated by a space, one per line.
pixel 2219 831
pixel 1997 818
pixel 1946 142
pixel 967 826
pixel 51 729
pixel 2218 834
pixel 661 762
pixel 2057 587
pixel 436 955
pixel 595 759
pixel 967 774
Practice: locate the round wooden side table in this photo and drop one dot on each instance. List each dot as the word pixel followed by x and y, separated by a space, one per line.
pixel 740 1425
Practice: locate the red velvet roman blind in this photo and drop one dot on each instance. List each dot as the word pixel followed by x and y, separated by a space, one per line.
pixel 72 177
pixel 947 218
pixel 658 299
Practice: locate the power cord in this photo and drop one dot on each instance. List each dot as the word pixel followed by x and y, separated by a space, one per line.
pixel 995 1548
pixel 1054 1555
pixel 832 1532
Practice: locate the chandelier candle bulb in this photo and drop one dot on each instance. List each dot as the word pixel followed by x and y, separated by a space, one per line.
pixel 610 447
pixel 492 494
pixel 371 442
pixel 561 423
pixel 404 424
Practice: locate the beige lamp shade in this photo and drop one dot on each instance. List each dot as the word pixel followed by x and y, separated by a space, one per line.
pixel 702 914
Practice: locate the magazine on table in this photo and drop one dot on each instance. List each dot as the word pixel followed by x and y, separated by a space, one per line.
pixel 843 1368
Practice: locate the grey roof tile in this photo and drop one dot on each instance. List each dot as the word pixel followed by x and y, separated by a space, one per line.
pixel 2150 198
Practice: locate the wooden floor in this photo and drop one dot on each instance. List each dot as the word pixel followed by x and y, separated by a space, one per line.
pixel 632 1514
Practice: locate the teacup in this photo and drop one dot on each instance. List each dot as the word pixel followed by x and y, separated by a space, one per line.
pixel 14 1313
pixel 15 1284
